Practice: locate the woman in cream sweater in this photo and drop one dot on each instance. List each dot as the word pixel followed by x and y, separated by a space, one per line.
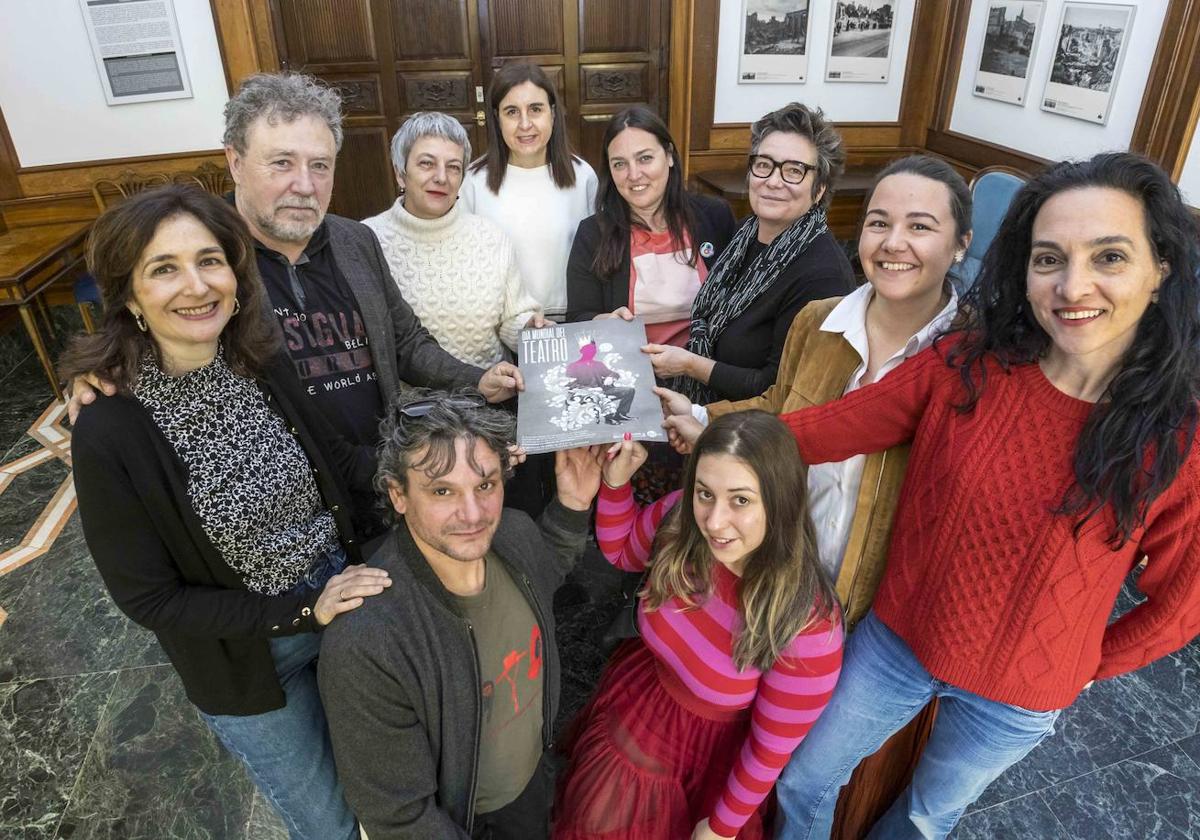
pixel 456 270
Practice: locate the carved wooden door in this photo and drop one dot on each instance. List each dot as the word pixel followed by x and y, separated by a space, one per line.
pixel 390 58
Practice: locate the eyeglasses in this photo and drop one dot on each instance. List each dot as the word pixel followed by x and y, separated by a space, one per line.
pixel 791 171
pixel 419 408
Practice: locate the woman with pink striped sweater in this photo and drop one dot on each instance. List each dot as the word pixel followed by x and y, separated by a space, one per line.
pixel 740 648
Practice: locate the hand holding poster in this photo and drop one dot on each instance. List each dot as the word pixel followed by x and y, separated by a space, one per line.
pixel 586 383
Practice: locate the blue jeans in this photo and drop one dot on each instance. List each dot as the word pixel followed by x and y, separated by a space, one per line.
pixel 882 687
pixel 287 751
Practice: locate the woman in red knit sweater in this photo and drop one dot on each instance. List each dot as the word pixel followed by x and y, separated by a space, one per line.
pixel 740 648
pixel 1052 450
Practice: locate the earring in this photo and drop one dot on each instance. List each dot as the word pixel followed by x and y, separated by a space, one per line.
pixel 1154 296
pixel 237 306
pixel 140 320
pixel 958 256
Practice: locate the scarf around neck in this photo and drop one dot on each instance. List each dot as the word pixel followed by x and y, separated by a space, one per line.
pixel 732 287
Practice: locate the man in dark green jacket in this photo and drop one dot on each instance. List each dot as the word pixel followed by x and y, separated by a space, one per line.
pixel 441 693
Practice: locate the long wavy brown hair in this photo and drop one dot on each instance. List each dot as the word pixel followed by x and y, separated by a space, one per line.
pixel 783 588
pixel 117 241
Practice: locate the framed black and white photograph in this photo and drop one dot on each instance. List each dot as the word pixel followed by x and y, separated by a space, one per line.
pixel 860 41
pixel 1009 44
pixel 1088 52
pixel 774 42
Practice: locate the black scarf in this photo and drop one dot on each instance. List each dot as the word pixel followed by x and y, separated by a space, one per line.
pixel 731 287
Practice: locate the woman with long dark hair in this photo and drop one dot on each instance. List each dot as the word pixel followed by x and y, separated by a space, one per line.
pixel 529 183
pixel 214 505
pixel 1052 452
pixel 651 243
pixel 740 646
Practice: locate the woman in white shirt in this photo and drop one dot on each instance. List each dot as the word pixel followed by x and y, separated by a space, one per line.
pixel 529 183
pixel 915 229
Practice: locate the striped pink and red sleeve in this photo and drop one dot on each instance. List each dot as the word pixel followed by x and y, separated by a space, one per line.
pixel 624 533
pixel 791 696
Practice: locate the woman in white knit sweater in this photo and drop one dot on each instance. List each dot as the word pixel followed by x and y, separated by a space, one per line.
pixel 529 183
pixel 456 270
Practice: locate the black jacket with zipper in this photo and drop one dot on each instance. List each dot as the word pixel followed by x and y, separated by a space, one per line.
pixel 400 679
pixel 160 566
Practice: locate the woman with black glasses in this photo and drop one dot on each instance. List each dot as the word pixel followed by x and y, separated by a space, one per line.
pixel 782 257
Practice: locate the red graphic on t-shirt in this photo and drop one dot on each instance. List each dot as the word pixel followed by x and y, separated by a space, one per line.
pixel 509 675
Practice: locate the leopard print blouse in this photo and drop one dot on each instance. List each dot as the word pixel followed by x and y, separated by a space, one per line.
pixel 249 480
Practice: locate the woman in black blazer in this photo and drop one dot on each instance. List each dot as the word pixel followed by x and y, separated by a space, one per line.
pixel 649 247
pixel 213 502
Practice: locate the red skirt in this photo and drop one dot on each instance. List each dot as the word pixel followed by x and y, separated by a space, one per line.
pixel 647 759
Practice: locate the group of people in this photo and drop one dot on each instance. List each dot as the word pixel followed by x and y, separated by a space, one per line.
pixel 891 559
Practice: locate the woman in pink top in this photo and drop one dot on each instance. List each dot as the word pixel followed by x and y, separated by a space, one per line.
pixel 651 242
pixel 740 648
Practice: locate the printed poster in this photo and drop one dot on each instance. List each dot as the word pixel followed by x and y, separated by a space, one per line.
pixel 586 383
pixel 860 41
pixel 137 48
pixel 774 42
pixel 1009 42
pixel 1091 45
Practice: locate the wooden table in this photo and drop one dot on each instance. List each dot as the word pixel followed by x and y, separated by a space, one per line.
pixel 31 259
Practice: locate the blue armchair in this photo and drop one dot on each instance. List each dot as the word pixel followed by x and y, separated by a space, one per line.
pixel 992 190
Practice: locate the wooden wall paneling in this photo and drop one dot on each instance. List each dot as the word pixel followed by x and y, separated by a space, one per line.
pixel 607 84
pixel 591 137
pixel 680 77
pixel 10 185
pixel 246 36
pixel 615 26
pixel 706 22
pixel 430 29
pixel 367 185
pixel 569 87
pixel 329 32
pixel 934 56
pixel 1171 103
pixel 348 45
pixel 64 179
pixel 440 72
pixel 48 209
pixel 525 28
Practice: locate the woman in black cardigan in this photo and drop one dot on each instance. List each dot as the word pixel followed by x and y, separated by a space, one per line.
pixel 650 245
pixel 213 506
pixel 781 258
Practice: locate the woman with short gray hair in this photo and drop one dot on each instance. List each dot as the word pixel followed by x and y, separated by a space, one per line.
pixel 781 258
pixel 457 271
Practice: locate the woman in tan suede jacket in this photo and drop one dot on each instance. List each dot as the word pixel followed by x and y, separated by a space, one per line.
pixel 916 226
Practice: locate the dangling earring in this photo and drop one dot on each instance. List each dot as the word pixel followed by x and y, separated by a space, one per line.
pixel 237 306
pixel 958 256
pixel 1154 296
pixel 140 320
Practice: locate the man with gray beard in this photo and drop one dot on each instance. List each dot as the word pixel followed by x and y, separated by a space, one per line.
pixel 350 335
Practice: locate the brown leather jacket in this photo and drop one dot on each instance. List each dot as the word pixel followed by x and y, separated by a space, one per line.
pixel 815 368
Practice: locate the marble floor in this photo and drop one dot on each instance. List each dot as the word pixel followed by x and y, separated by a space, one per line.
pixel 97 740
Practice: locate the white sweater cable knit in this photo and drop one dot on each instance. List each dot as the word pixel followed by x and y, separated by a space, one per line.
pixel 459 274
